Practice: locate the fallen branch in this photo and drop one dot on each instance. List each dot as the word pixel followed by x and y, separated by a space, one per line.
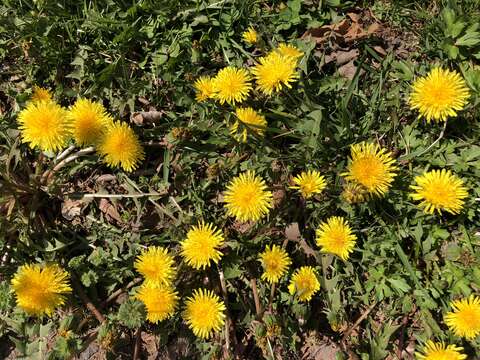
pixel 88 303
pixel 359 320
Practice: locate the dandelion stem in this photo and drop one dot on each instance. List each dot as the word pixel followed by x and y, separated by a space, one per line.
pixel 49 173
pixel 437 140
pixel 65 153
pixel 228 321
pixel 258 306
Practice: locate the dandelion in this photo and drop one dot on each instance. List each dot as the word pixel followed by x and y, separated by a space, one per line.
pixel 232 85
pixel 156 265
pixel 439 95
pixel 289 51
pixel 275 262
pixel 41 94
pixel 304 283
pixel 44 124
pixel 160 301
pixel 335 236
pixel 354 193
pixel 309 183
pixel 250 36
pixel 248 120
pixel 372 167
pixel 89 121
pixel 274 72
pixel 439 190
pixel 204 88
pixel 121 147
pixel 440 351
pixel 247 197
pixel 200 247
pixel 464 320
pixel 40 289
pixel 204 313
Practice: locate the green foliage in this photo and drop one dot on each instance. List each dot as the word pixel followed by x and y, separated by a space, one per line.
pixel 144 55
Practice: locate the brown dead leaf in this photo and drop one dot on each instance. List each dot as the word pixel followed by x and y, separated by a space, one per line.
pixel 342 57
pixel 348 70
pixel 146 117
pixel 109 210
pixel 292 233
pixel 71 208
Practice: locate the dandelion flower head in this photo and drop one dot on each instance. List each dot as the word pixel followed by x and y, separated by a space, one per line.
pixel 275 72
pixel 439 190
pixel 44 124
pixel 440 351
pixel 354 193
pixel 232 85
pixel 160 301
pixel 439 95
pixel 121 147
pixel 247 197
pixel 289 51
pixel 248 120
pixel 372 167
pixel 40 289
pixel 204 313
pixel 201 247
pixel 250 36
pixel 304 283
pixel 156 265
pixel 204 87
pixel 335 236
pixel 89 121
pixel 275 261
pixel 309 183
pixel 464 320
pixel 41 94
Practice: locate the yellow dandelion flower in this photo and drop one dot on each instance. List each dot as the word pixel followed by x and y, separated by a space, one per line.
pixel 309 183
pixel 89 121
pixel 200 247
pixel 464 320
pixel 41 94
pixel 156 265
pixel 44 124
pixel 120 146
pixel 440 351
pixel 304 283
pixel 250 36
pixel 160 301
pixel 275 262
pixel 204 87
pixel 232 85
pixel 335 236
pixel 247 197
pixel 204 313
pixel 439 190
pixel 274 72
pixel 354 193
pixel 248 120
pixel 289 51
pixel 40 289
pixel 372 167
pixel 439 95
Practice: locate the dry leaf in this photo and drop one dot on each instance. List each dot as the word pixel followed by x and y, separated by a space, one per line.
pixel 108 209
pixel 71 208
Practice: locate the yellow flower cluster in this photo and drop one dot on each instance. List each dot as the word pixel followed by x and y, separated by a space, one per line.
pixel 46 125
pixel 463 321
pixel 273 72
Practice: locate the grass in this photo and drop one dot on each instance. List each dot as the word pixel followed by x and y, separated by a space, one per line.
pixel 145 55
